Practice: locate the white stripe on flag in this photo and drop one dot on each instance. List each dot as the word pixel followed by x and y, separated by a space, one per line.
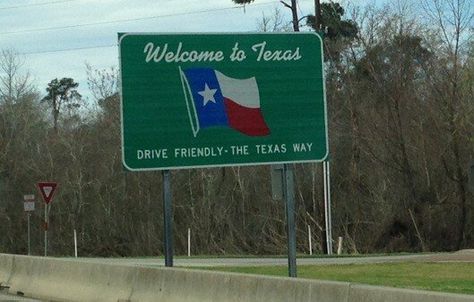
pixel 243 92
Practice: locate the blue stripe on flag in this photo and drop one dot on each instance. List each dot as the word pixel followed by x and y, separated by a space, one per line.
pixel 209 113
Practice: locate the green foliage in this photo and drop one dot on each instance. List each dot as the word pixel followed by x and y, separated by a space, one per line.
pixel 402 54
pixel 332 23
pixel 63 91
pixel 338 33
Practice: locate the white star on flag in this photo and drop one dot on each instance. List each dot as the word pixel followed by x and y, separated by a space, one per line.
pixel 207 95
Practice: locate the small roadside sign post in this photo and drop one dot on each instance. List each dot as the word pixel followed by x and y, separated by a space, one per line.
pixel 29 206
pixel 223 99
pixel 46 190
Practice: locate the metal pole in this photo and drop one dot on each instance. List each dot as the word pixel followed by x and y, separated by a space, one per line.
pixel 75 243
pixel 189 242
pixel 328 171
pixel 288 189
pixel 310 241
pixel 45 229
pixel 29 237
pixel 168 218
pixel 327 206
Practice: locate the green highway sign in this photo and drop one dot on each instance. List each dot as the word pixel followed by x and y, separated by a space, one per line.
pixel 204 100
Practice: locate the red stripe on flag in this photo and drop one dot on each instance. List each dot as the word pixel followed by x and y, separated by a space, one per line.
pixel 249 121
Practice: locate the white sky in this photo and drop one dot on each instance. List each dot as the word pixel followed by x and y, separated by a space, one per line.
pixel 57 37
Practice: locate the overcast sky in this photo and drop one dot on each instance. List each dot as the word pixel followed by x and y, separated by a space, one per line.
pixel 57 37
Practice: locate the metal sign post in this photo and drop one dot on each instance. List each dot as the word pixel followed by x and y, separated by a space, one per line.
pixel 283 188
pixel 289 193
pixel 167 218
pixel 327 206
pixel 276 176
pixel 45 229
pixel 29 236
pixel 46 190
pixel 29 206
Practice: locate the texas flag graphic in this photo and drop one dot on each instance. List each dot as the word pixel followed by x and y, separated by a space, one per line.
pixel 214 99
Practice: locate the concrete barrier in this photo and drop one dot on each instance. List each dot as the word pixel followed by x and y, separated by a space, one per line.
pixel 67 280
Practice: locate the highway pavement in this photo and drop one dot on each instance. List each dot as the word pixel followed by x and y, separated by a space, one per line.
pixel 460 256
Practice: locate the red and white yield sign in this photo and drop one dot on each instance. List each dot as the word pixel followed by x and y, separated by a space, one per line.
pixel 47 190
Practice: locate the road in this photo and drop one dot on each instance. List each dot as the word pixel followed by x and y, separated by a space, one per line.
pixel 460 256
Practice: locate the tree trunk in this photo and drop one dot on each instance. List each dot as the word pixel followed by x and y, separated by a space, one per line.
pixel 294 13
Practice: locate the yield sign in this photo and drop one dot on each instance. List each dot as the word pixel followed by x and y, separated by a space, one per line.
pixel 47 190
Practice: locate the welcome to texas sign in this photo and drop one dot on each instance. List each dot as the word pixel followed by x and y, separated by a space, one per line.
pixel 203 100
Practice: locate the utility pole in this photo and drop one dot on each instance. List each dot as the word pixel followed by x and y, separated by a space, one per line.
pixel 317 15
pixel 294 13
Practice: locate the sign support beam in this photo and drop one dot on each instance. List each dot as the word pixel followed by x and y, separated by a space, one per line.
pixel 47 190
pixel 46 229
pixel 29 236
pixel 289 193
pixel 167 218
pixel 327 206
pixel 29 206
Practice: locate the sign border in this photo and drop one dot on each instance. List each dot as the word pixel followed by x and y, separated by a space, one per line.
pixel 41 184
pixel 123 35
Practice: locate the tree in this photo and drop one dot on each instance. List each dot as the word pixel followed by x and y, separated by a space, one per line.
pixel 339 33
pixel 378 126
pixel 292 6
pixel 332 23
pixel 453 19
pixel 102 83
pixel 14 83
pixel 21 126
pixel 62 93
pixel 274 23
pixel 393 68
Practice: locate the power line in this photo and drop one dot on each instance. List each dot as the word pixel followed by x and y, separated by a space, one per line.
pixel 126 20
pixel 114 45
pixel 67 49
pixel 35 4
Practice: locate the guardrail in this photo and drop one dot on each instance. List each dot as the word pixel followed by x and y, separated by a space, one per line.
pixel 70 280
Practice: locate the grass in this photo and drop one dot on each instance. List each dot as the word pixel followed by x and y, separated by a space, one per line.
pixel 444 277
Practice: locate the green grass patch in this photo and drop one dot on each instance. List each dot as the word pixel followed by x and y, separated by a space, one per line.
pixel 445 277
